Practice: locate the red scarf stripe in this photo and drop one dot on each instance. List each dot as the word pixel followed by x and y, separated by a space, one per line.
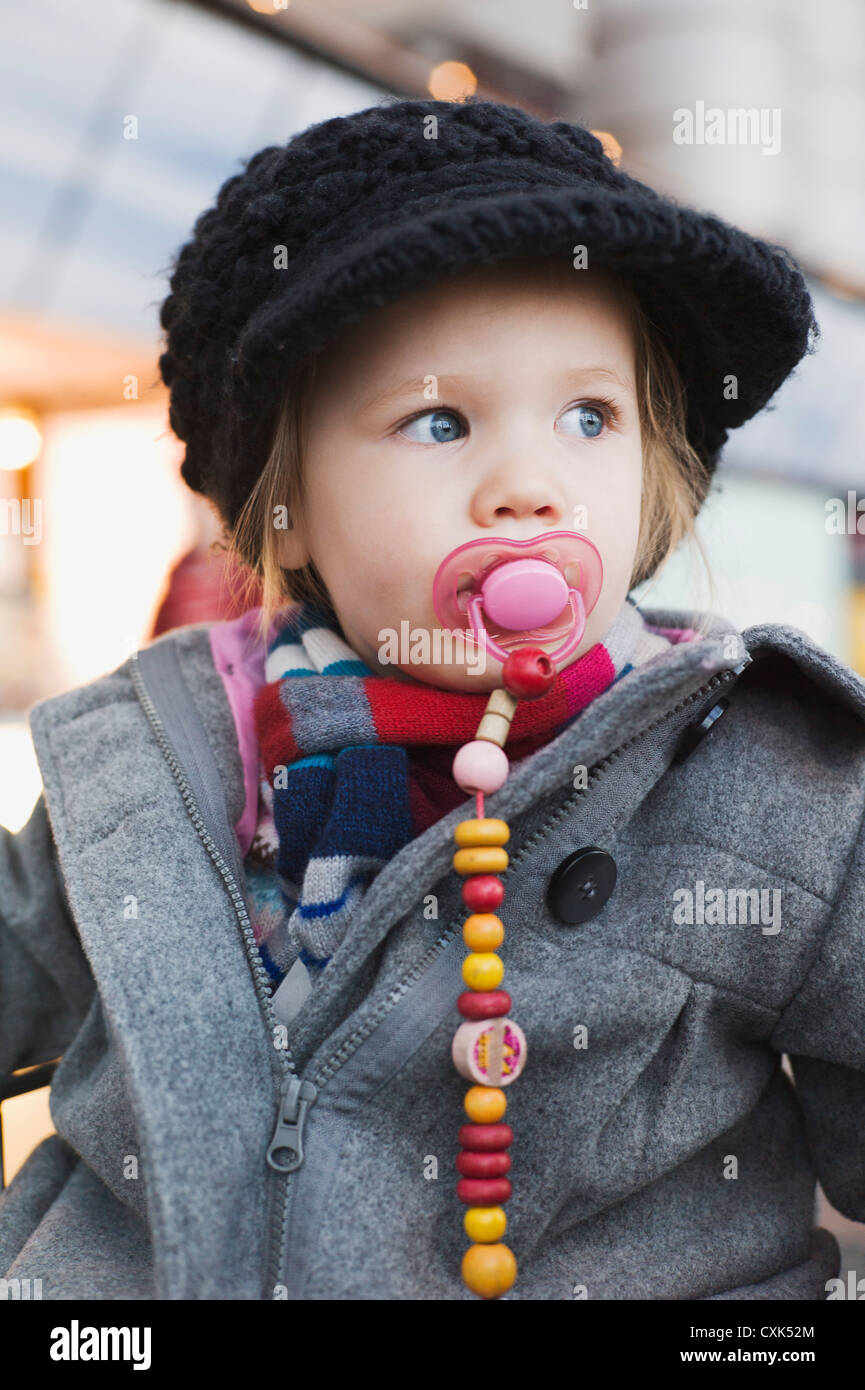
pixel 273 722
pixel 418 714
pixel 581 682
pixel 429 715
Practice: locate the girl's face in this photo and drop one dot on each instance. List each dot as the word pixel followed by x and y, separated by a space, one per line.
pixel 499 403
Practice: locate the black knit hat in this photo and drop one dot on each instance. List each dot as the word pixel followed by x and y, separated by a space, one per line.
pixel 370 206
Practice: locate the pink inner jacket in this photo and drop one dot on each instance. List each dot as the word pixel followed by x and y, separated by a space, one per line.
pixel 239 658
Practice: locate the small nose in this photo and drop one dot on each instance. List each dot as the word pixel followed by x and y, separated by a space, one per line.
pixel 518 493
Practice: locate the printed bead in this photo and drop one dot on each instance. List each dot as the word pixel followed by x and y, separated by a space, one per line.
pixel 472 1164
pixel 488 831
pixel 485 1224
pixel 490 1053
pixel 485 1138
pixel 489 1270
pixel 483 893
pixel 483 970
pixel 486 859
pixel 484 1192
pixel 480 766
pixel 528 673
pixel 492 1003
pixel 485 1104
pixel 483 931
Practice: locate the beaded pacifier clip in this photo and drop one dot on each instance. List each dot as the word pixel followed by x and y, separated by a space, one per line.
pixel 525 597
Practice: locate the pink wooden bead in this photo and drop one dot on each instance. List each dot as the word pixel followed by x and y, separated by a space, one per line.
pixel 480 766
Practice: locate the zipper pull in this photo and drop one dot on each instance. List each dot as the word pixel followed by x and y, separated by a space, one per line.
pixel 296 1098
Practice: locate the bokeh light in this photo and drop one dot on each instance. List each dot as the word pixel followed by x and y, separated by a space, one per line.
pixel 452 82
pixel 20 438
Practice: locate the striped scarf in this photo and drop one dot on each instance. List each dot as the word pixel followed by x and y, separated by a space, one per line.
pixel 354 764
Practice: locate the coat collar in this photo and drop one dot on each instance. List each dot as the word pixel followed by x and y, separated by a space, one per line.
pixel 762 641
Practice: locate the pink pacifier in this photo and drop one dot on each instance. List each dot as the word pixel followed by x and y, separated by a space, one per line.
pixel 507 597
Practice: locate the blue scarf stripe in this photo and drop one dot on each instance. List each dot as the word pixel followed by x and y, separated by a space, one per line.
pixel 300 813
pixel 314 963
pixel 272 957
pixel 314 760
pixel 356 806
pixel 310 911
pixel 344 667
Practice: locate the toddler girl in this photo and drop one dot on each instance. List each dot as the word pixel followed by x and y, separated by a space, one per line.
pixel 420 330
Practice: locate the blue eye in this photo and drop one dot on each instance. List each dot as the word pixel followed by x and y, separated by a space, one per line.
pixel 585 420
pixel 435 427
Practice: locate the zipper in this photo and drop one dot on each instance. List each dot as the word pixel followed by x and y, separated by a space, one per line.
pixel 296 1095
pixel 351 1044
pixel 285 1151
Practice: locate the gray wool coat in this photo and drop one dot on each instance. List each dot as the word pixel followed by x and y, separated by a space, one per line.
pixel 660 1151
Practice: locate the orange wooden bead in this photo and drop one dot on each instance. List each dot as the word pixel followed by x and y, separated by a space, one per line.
pixel 489 1270
pixel 488 831
pixel 485 1104
pixel 483 931
pixel 485 859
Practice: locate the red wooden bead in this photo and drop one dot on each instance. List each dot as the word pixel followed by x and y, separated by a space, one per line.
pixel 479 1165
pixel 483 1192
pixel 483 892
pixel 528 673
pixel 485 1138
pixel 485 1003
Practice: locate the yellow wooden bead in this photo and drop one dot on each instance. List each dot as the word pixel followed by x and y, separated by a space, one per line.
pixel 489 1270
pixel 482 832
pixel 485 1224
pixel 483 970
pixel 485 1104
pixel 483 931
pixel 484 859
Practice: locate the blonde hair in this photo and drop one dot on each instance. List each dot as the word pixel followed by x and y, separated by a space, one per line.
pixel 675 479
pixel 675 484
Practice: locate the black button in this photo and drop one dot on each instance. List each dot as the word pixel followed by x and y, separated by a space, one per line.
pixel 581 885
pixel 696 732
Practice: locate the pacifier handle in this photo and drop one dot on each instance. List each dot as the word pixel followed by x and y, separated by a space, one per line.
pixel 578 621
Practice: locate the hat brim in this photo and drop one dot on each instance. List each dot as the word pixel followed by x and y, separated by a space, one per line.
pixel 727 305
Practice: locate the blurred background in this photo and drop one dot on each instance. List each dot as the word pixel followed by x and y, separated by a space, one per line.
pixel 121 119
